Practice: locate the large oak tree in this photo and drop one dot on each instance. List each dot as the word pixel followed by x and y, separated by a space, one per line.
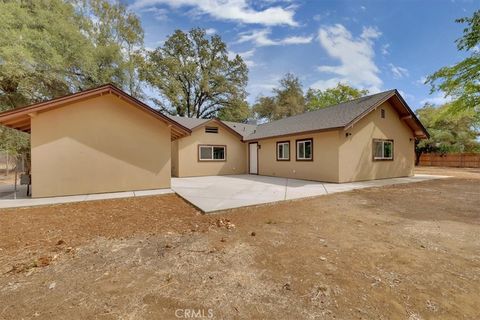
pixel 49 48
pixel 194 76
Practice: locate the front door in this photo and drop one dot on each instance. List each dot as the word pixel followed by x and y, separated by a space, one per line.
pixel 253 152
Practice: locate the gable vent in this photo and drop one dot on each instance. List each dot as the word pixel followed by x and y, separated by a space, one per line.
pixel 211 129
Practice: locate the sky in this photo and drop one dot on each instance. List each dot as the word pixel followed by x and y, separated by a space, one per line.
pixel 375 45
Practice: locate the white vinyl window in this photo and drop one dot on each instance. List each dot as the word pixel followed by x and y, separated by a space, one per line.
pixel 383 149
pixel 305 149
pixel 283 150
pixel 212 153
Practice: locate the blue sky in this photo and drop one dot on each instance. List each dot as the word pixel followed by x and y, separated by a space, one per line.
pixel 377 45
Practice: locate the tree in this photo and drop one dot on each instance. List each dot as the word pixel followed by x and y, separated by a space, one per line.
pixel 266 108
pixel 288 100
pixel 237 112
pixel 50 48
pixel 194 75
pixel 462 80
pixel 42 51
pixel 319 99
pixel 448 133
pixel 117 37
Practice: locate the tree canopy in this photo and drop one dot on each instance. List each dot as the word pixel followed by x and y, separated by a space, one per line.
pixel 462 80
pixel 52 48
pixel 195 77
pixel 288 99
pixel 448 133
pixel 319 99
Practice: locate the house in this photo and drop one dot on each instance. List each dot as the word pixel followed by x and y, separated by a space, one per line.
pixel 103 140
pixel 96 141
pixel 213 148
pixel 367 138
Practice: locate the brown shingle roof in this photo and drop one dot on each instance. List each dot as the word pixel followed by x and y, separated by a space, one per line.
pixel 334 117
pixel 241 128
pixel 337 116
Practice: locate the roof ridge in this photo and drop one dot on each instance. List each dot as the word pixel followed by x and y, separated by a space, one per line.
pixel 208 119
pixel 329 107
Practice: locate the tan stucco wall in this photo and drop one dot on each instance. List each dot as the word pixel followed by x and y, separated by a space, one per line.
pixel 324 166
pixel 187 148
pixel 99 145
pixel 356 151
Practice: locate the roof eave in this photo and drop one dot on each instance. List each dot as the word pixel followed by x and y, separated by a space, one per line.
pixel 293 134
pixel 21 116
pixel 220 122
pixel 394 93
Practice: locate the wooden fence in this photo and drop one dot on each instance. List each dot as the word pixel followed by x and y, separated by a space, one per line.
pixel 460 160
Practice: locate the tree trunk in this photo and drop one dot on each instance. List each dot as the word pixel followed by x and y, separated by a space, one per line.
pixel 6 164
pixel 418 154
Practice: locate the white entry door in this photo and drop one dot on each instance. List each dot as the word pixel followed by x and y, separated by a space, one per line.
pixel 253 158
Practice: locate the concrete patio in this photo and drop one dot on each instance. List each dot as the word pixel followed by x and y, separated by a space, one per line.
pixel 7 197
pixel 215 193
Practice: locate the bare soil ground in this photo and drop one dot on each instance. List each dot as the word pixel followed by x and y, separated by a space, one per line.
pixel 7 179
pixel 399 252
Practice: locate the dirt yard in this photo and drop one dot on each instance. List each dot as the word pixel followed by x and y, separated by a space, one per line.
pixel 7 179
pixel 400 252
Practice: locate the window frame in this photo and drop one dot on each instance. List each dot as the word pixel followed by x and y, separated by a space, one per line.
pixel 289 150
pixel 391 141
pixel 297 149
pixel 211 146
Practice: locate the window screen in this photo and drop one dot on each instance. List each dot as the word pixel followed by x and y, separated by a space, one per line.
pixel 211 153
pixel 305 149
pixel 383 149
pixel 283 150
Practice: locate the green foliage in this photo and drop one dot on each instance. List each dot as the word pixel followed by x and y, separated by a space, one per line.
pixel 49 48
pixel 288 100
pixel 448 133
pixel 195 77
pixel 117 38
pixel 237 112
pixel 462 81
pixel 266 108
pixel 319 99
pixel 14 142
pixel 41 47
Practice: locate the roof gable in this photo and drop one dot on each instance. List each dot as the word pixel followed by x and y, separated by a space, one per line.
pixel 19 118
pixel 341 116
pixel 240 130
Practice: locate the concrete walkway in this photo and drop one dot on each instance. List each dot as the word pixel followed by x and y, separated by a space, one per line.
pixel 7 201
pixel 214 193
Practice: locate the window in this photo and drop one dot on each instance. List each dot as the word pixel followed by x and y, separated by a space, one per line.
pixel 305 150
pixel 283 151
pixel 212 153
pixel 382 149
pixel 211 129
pixel 382 113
